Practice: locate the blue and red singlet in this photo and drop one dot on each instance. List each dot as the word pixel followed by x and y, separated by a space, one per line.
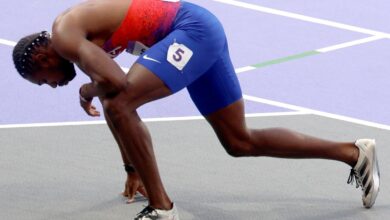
pixel 146 23
pixel 184 45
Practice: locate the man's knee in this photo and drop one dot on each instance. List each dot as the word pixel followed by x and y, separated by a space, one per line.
pixel 118 106
pixel 238 148
pixel 245 145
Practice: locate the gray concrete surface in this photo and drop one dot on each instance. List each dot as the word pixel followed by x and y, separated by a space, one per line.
pixel 75 172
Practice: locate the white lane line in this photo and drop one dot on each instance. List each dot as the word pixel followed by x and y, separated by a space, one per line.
pixel 167 119
pixel 7 42
pixel 126 70
pixel 350 44
pixel 315 112
pixel 304 18
pixel 245 69
pixel 276 114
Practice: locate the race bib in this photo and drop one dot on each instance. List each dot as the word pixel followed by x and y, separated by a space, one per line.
pixel 179 55
pixel 136 48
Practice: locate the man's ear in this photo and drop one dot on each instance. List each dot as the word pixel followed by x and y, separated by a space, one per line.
pixel 42 59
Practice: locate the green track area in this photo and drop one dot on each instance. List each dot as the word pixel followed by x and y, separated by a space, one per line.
pixel 286 59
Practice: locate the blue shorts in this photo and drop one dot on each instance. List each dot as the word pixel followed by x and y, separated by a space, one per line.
pixel 195 55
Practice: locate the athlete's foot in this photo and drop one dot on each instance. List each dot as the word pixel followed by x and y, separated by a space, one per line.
pixel 150 213
pixel 366 172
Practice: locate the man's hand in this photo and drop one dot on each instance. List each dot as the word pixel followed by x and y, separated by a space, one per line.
pixel 132 186
pixel 89 108
pixel 86 104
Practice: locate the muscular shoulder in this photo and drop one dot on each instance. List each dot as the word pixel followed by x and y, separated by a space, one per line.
pixel 66 30
pixel 72 27
pixel 91 19
pixel 69 21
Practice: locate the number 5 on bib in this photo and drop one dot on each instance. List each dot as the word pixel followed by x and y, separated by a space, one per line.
pixel 179 55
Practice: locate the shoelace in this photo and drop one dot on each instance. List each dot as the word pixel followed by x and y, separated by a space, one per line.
pixel 146 212
pixel 353 175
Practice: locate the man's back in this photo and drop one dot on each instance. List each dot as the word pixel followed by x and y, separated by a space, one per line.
pixel 97 19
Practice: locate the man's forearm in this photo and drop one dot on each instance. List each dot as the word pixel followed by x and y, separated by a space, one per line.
pixel 125 157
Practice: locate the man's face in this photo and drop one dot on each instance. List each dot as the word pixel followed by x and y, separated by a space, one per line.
pixel 59 74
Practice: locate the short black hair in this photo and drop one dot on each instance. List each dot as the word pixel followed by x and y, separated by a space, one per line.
pixel 25 48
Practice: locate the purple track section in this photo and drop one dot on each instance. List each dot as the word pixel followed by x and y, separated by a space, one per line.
pixel 352 82
pixel 254 37
pixel 366 14
pixel 25 17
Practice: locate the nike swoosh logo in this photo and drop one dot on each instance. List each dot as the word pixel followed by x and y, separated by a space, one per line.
pixel 146 57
